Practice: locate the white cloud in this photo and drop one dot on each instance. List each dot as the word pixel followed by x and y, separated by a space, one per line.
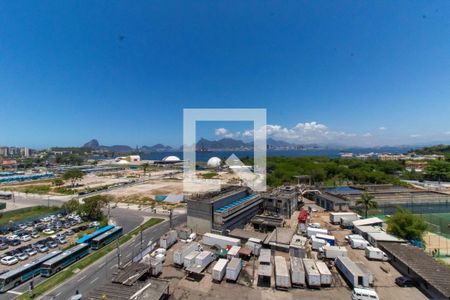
pixel 382 128
pixel 447 133
pixel 415 135
pixel 225 133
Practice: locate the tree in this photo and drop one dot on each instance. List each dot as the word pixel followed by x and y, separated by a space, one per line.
pixel 438 170
pixel 58 182
pixel 73 175
pixel 92 206
pixel 367 202
pixel 145 167
pixel 406 225
pixel 71 206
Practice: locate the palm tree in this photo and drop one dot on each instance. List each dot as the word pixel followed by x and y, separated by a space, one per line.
pixel 367 202
pixel 145 167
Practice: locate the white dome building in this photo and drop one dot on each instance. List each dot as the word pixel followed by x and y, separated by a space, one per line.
pixel 171 158
pixel 214 162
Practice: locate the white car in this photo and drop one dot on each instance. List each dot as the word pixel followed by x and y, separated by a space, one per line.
pixel 94 224
pixel 25 238
pixel 48 231
pixel 192 237
pixel 9 260
pixel 30 251
pixel 13 237
pixel 21 256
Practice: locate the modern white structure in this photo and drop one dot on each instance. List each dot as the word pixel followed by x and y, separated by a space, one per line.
pixel 214 162
pixel 171 158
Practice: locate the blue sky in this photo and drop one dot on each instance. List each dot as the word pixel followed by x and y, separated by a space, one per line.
pixel 357 73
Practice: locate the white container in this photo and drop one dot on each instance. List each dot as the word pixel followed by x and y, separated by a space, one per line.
pixel 317 243
pixel 312 274
pixel 310 231
pixel 351 237
pixel 204 259
pixel 359 244
pixel 333 252
pixel 178 255
pixel 233 252
pixel 156 266
pixel 212 239
pixel 366 270
pixel 168 239
pixel 234 267
pixel 325 274
pixel 335 217
pixel 297 271
pixel 376 254
pixel 189 259
pixel 328 238
pixel 351 272
pixel 297 247
pixel 282 277
pixel 219 269
pixel 255 245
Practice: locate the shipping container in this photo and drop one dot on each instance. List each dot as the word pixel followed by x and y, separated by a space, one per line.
pixel 335 217
pixel 282 277
pixel 219 269
pixel 168 239
pixel 310 231
pixel 233 252
pixel 156 266
pixel 222 241
pixel 297 247
pixel 204 258
pixel 351 272
pixel 183 232
pixel 297 271
pixel 189 259
pixel 255 245
pixel 178 255
pixel 366 270
pixel 317 243
pixel 233 269
pixel 312 274
pixel 332 252
pixel 328 238
pixel 325 274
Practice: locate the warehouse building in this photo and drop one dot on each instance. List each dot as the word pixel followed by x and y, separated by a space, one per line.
pixel 220 212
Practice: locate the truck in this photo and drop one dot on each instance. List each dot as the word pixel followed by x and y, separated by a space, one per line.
pixel 376 254
pixel 366 270
pixel 359 244
pixel 351 272
pixel 332 252
pixel 219 269
pixel 211 239
pixel 201 261
pixel 178 255
pixel 328 238
pixel 189 259
pixel 168 239
pixel 234 267
pixel 325 274
pixel 282 277
pixel 310 231
pixel 316 243
pixel 233 252
pixel 312 274
pixel 335 217
pixel 297 272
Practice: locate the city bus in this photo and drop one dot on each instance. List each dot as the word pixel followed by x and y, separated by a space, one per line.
pixel 106 238
pixel 66 258
pixel 88 238
pixel 21 274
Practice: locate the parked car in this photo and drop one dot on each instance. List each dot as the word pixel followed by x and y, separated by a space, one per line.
pixel 21 256
pixel 42 248
pixel 48 231
pixel 30 251
pixel 14 242
pixel 61 240
pixel 9 260
pixel 35 235
pixel 12 237
pixel 69 232
pixel 22 226
pixel 25 238
pixel 3 246
pixel 404 281
pixel 52 244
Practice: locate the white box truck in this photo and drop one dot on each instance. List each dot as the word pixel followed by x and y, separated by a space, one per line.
pixel 168 239
pixel 332 252
pixel 297 272
pixel 233 269
pixel 310 231
pixel 328 238
pixel 376 254
pixel 282 277
pixel 325 274
pixel 219 269
pixel 189 259
pixel 312 274
pixel 179 254
pixel 316 243
pixel 222 241
pixel 358 244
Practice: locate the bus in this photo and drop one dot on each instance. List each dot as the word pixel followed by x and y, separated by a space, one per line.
pixel 6 195
pixel 88 238
pixel 106 238
pixel 66 258
pixel 21 274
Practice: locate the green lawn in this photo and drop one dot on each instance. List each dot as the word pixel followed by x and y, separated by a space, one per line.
pixel 26 213
pixel 60 277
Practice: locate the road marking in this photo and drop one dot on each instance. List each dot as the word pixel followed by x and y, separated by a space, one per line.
pixel 82 278
pixel 15 293
pixel 58 294
pixel 113 266
pixel 94 280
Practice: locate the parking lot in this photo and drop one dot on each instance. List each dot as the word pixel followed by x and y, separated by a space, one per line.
pixel 30 240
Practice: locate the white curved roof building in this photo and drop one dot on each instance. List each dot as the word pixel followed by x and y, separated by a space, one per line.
pixel 171 158
pixel 214 162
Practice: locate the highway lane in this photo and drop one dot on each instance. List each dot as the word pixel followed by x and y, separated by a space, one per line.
pixel 101 271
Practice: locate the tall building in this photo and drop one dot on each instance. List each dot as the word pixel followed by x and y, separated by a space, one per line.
pixel 25 152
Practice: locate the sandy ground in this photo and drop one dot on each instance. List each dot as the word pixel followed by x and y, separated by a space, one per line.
pixel 434 241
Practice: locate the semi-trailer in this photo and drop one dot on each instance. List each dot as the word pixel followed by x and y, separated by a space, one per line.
pixel 297 272
pixel 189 259
pixel 233 269
pixel 310 231
pixel 312 273
pixel 335 217
pixel 219 269
pixel 178 255
pixel 325 274
pixel 168 239
pixel 282 277
pixel 332 252
pixel 351 272
pixel 222 241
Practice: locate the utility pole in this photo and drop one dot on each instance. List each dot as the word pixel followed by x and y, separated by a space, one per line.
pixel 141 242
pixel 170 217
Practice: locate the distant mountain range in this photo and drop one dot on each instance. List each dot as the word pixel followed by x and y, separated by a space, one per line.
pixel 205 144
